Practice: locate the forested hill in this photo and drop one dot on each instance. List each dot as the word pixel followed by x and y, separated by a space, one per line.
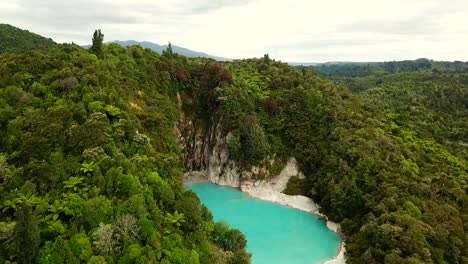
pixel 430 97
pixel 90 168
pixel 362 69
pixel 13 39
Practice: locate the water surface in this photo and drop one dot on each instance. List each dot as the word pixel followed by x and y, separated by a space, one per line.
pixel 275 233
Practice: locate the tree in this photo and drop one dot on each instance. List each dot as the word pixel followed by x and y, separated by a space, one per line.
pixel 240 257
pixel 168 52
pixel 126 228
pixel 57 252
pixel 97 260
pixel 271 106
pixel 266 58
pixel 189 205
pixel 80 245
pixel 104 242
pixel 98 39
pixel 228 239
pixel 252 139
pixel 27 236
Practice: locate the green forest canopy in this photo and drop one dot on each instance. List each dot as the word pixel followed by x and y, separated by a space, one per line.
pixel 430 97
pixel 90 170
pixel 90 167
pixel 13 39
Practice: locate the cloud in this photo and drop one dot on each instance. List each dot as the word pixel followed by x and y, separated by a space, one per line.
pixel 413 26
pixel 293 30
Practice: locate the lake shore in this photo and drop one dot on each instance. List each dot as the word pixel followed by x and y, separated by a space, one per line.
pixel 299 202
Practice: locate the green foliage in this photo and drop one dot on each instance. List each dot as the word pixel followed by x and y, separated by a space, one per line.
pixel 97 210
pixel 57 252
pixel 189 206
pixel 425 96
pixel 98 39
pixel 26 234
pixel 87 167
pixel 296 186
pixel 80 245
pixel 168 52
pixel 235 151
pixel 89 146
pixel 252 141
pixel 90 166
pixel 15 40
pixel 365 69
pixel 112 110
pixel 173 221
pixel 74 182
pixel 131 254
pixel 229 239
pixel 146 228
pixel 97 260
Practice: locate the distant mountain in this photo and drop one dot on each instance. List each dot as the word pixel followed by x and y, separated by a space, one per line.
pixel 160 48
pixel 13 39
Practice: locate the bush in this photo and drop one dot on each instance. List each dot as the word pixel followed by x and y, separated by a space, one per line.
pixel 252 141
pixel 235 152
pixel 80 245
pixel 228 239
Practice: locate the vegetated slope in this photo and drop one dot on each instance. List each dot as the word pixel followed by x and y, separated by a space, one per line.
pixel 13 39
pixel 362 69
pixel 160 48
pixel 429 97
pixel 433 104
pixel 400 198
pixel 90 169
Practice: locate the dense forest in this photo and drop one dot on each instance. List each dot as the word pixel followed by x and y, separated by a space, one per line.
pixel 430 97
pixel 13 39
pixel 89 164
pixel 363 69
pixel 90 169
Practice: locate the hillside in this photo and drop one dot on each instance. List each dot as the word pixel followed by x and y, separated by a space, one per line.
pixel 160 48
pixel 364 69
pixel 430 97
pixel 91 164
pixel 13 39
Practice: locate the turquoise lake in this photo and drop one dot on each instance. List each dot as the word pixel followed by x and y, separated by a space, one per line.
pixel 275 233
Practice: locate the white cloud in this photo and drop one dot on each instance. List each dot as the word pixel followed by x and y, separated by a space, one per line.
pixel 293 30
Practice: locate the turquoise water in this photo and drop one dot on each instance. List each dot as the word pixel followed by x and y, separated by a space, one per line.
pixel 275 233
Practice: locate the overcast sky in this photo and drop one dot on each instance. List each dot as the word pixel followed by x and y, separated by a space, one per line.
pixel 291 30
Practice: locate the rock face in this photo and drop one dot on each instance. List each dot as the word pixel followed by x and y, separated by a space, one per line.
pixel 206 154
